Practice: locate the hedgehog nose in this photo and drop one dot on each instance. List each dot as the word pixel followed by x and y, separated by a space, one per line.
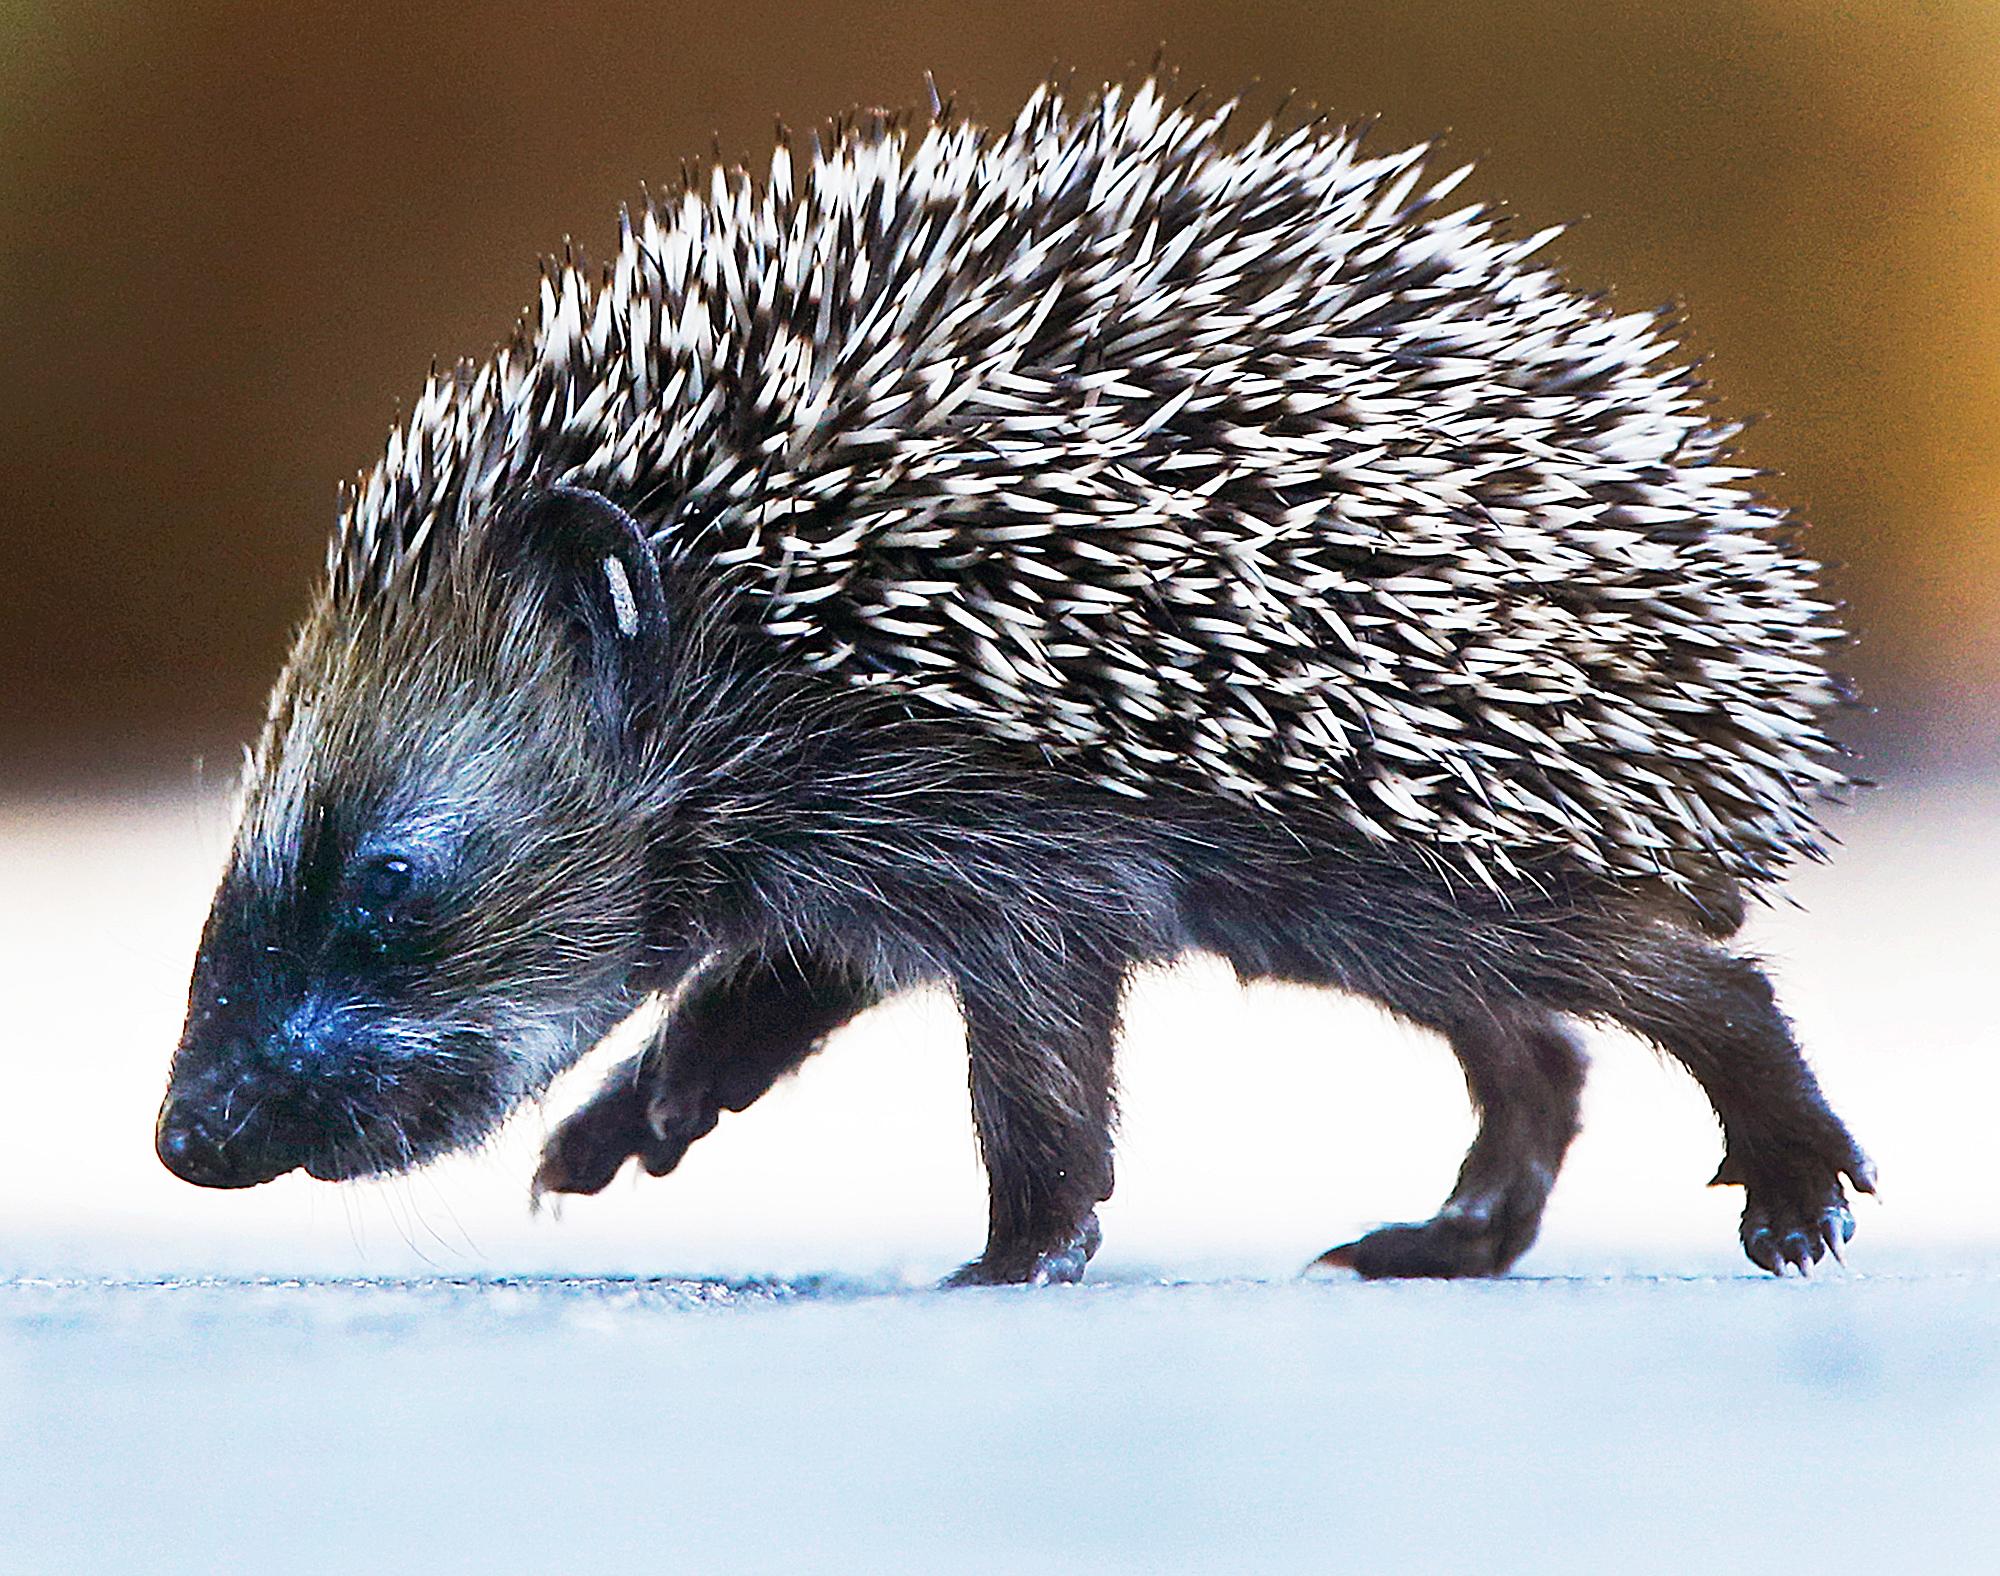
pixel 190 1148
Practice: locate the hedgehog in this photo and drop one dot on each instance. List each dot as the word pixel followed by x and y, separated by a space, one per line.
pixel 1007 560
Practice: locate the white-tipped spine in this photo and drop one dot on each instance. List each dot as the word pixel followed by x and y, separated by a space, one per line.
pixel 1242 463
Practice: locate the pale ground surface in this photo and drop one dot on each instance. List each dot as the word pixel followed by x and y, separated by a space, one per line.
pixel 785 1397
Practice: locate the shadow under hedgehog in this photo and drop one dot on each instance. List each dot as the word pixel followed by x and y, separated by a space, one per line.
pixel 1005 561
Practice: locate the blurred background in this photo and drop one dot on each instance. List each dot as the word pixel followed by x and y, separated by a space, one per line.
pixel 234 236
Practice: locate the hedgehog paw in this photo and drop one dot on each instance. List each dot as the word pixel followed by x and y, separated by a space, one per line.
pixel 675 1118
pixel 1028 1265
pixel 1796 1231
pixel 1794 1214
pixel 1477 1236
pixel 585 1151
pixel 620 1121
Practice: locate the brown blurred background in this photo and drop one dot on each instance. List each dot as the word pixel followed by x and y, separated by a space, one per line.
pixel 233 236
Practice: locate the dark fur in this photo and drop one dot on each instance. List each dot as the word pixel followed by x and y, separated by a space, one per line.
pixel 801 848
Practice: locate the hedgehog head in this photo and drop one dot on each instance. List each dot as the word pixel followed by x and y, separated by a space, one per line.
pixel 428 908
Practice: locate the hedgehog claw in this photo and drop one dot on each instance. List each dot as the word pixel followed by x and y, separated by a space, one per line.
pixel 1760 1245
pixel 1798 1228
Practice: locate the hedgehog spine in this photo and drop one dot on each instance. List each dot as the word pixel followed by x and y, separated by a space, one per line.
pixel 1250 464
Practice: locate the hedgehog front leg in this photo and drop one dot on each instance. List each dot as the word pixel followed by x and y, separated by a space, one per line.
pixel 1716 1014
pixel 1525 1074
pixel 720 1050
pixel 1041 1055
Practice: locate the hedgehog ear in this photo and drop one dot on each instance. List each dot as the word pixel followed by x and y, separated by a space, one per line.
pixel 600 574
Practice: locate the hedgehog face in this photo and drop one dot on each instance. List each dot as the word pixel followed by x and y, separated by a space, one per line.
pixel 386 984
pixel 433 900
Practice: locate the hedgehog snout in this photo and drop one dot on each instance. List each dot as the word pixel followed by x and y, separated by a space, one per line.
pixel 222 1133
pixel 246 1099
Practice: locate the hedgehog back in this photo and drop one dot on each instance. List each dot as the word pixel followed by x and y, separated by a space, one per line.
pixel 1171 455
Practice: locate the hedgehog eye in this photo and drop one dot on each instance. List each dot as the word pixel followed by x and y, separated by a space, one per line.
pixel 381 882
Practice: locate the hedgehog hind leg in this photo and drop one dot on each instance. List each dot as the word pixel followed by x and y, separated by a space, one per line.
pixel 1040 1050
pixel 1524 1069
pixel 722 1049
pixel 1715 1013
